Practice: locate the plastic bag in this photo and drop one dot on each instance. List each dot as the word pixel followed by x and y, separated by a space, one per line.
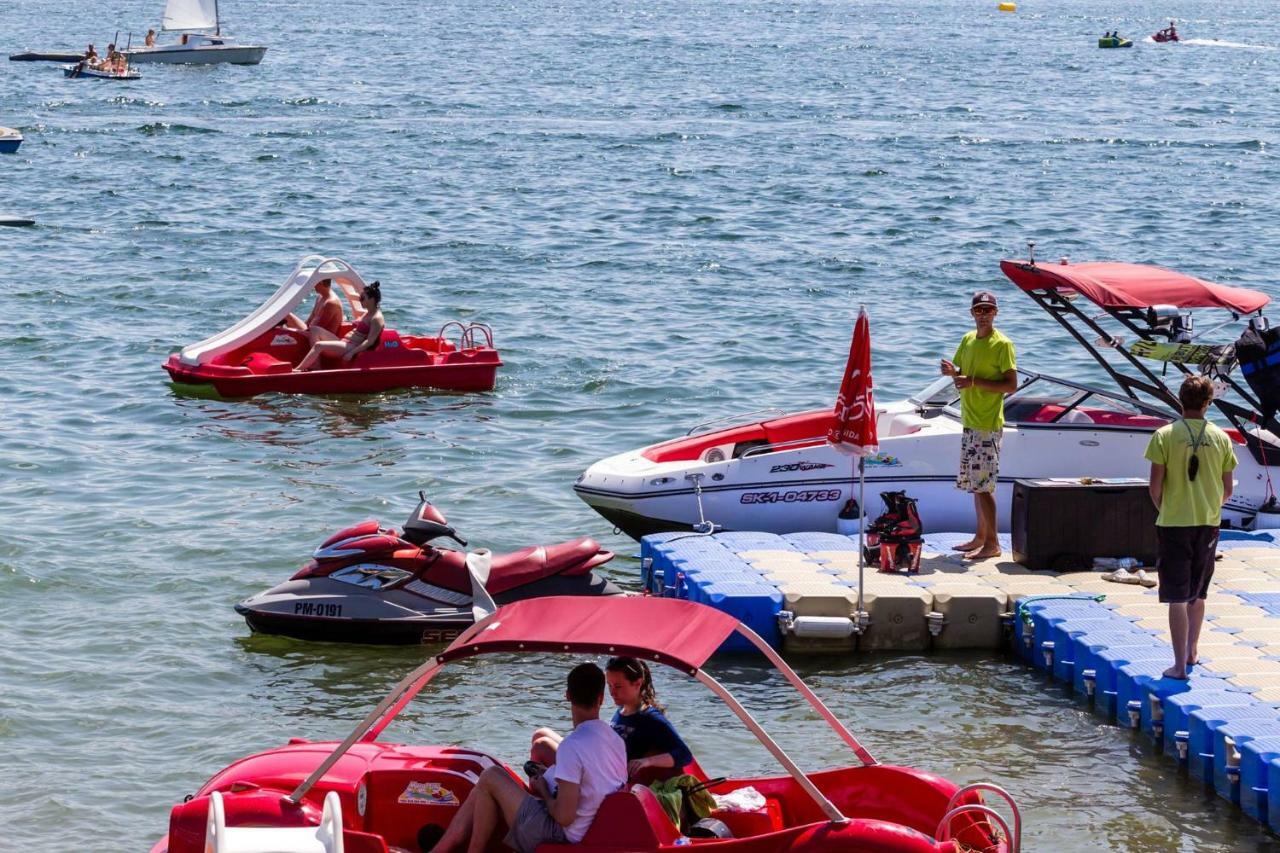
pixel 746 799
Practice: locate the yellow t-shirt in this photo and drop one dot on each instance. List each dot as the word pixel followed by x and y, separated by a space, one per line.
pixel 983 358
pixel 1184 503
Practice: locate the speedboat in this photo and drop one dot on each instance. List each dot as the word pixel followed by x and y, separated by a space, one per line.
pixel 373 584
pixel 779 474
pixel 258 355
pixel 84 71
pixel 1114 41
pixel 10 139
pixel 196 46
pixel 374 796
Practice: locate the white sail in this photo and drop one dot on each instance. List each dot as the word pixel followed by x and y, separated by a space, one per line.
pixel 191 15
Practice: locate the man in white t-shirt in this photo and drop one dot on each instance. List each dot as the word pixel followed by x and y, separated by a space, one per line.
pixel 591 763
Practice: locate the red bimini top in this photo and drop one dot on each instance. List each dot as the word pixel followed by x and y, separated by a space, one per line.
pixel 1111 284
pixel 677 633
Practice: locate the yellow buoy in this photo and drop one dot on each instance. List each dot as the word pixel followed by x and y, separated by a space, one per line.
pixel 1008 7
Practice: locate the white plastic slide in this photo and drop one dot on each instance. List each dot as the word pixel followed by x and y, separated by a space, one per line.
pixel 296 288
pixel 325 838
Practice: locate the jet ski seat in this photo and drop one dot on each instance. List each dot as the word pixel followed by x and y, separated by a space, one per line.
pixel 540 561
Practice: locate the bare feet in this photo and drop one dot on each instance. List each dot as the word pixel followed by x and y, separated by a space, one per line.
pixel 1175 673
pixel 966 546
pixel 982 554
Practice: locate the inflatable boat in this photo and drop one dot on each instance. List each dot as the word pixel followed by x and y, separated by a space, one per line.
pixel 1114 41
pixel 258 354
pixel 81 71
pixel 374 796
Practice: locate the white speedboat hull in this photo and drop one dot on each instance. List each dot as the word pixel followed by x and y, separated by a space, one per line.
pixel 202 54
pixel 801 483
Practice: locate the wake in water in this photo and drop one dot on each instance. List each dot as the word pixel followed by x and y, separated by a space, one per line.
pixel 1218 43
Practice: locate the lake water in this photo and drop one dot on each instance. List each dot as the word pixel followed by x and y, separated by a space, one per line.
pixel 668 212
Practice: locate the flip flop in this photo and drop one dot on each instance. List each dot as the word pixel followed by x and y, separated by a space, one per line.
pixel 1122 576
pixel 1146 579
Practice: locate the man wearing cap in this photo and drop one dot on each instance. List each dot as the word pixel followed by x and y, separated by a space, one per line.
pixel 984 370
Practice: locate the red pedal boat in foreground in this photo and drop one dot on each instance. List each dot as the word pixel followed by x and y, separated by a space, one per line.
pixel 366 795
pixel 258 354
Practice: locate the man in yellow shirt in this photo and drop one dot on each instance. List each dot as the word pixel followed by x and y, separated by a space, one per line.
pixel 1191 465
pixel 985 369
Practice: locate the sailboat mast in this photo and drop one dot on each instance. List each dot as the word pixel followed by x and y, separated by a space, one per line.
pixel 217 20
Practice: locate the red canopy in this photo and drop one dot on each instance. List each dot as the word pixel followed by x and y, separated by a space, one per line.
pixel 854 429
pixel 666 630
pixel 1118 285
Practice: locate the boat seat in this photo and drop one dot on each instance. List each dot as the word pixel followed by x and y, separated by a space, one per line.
pixel 263 364
pixel 632 819
pixel 325 838
pixel 540 561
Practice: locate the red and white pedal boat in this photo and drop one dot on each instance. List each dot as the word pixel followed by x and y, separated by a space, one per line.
pixel 258 355
pixel 366 795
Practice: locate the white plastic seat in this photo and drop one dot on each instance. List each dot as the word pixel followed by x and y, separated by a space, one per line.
pixel 325 838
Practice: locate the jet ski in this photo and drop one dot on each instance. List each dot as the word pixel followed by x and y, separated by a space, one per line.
pixel 378 585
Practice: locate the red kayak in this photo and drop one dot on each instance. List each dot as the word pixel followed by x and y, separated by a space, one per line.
pixel 366 795
pixel 258 354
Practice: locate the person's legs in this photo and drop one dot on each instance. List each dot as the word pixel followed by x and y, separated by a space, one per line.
pixel 503 796
pixel 1195 619
pixel 334 348
pixel 964 481
pixel 320 333
pixel 989 545
pixel 1178 635
pixel 495 793
pixel 544 746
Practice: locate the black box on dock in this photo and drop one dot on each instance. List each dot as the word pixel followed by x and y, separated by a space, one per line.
pixel 1063 524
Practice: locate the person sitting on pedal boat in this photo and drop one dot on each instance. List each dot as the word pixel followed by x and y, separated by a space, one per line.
pixel 326 313
pixel 366 334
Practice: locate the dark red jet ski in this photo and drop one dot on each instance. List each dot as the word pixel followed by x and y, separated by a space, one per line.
pixel 370 584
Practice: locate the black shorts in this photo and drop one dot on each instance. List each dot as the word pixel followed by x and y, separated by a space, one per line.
pixel 1186 562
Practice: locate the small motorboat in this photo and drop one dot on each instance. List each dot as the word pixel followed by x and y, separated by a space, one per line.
pixel 257 355
pixel 777 473
pixel 1114 41
pixel 196 46
pixel 376 796
pixel 84 71
pixel 10 139
pixel 373 584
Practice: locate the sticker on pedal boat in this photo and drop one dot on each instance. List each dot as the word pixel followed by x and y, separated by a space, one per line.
pixel 282 341
pixel 427 794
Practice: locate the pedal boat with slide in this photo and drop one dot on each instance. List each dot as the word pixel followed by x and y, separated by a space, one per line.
pixel 368 795
pixel 380 585
pixel 258 354
pixel 778 474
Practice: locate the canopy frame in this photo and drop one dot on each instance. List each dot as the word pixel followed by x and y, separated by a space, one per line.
pixel 376 721
pixel 1053 300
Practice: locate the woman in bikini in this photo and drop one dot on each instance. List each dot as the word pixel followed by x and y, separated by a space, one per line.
pixel 365 335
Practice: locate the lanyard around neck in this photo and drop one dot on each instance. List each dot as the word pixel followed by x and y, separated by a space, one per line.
pixel 1196 443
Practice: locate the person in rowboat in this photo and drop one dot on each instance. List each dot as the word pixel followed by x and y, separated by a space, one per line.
pixel 365 335
pixel 562 800
pixel 326 313
pixel 1191 465
pixel 984 369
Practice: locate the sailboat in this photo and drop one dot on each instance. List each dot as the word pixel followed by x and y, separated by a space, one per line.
pixel 197 46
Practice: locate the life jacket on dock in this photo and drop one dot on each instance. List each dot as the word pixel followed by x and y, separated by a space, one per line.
pixel 894 538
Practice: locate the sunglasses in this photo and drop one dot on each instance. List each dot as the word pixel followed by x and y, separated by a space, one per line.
pixel 984 309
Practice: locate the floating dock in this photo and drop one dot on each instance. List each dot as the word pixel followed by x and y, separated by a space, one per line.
pixel 1108 641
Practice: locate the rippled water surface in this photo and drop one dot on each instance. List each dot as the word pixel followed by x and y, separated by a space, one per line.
pixel 668 211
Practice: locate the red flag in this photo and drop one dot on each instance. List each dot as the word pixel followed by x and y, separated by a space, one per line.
pixel 854 429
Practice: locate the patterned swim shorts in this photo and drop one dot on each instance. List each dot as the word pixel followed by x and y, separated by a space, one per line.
pixel 979 460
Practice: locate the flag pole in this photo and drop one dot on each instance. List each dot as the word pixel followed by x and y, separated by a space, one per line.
pixel 862 546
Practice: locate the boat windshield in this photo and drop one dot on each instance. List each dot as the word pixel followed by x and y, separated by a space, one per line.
pixel 937 394
pixel 1045 400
